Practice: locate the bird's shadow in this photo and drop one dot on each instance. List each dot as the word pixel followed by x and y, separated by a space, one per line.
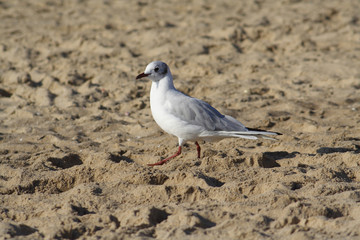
pixel 329 150
pixel 269 159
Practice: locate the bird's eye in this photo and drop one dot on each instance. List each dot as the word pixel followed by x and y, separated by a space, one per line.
pixel 156 69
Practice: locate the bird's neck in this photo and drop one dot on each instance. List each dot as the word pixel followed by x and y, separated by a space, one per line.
pixel 163 85
pixel 159 92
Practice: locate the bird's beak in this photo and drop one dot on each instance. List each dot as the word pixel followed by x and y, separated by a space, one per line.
pixel 142 75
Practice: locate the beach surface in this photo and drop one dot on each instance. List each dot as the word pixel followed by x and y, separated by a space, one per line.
pixel 76 131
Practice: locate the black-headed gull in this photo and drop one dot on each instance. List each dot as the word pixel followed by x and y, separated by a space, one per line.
pixel 188 118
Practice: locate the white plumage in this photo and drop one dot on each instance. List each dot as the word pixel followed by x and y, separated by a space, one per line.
pixel 188 118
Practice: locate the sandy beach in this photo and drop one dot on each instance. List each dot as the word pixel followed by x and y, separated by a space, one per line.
pixel 76 130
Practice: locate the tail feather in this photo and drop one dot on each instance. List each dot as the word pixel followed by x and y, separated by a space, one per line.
pixel 262 131
pixel 247 136
pixel 248 132
pixel 251 134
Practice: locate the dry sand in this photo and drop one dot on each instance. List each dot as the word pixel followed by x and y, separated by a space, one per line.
pixel 76 129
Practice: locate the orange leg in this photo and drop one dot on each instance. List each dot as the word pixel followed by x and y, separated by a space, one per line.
pixel 198 148
pixel 166 159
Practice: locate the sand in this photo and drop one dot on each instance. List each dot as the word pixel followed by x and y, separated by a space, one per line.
pixel 76 130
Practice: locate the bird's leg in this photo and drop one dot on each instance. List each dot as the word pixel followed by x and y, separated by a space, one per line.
pixel 198 148
pixel 166 159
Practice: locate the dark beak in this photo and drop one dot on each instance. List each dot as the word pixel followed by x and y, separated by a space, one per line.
pixel 142 75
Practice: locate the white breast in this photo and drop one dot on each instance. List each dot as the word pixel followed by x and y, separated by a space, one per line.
pixel 161 111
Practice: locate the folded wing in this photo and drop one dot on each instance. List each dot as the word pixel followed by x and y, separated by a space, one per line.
pixel 201 113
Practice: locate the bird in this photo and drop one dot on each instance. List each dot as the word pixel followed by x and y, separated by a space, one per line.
pixel 189 118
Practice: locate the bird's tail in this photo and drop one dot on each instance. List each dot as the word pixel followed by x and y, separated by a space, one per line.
pixel 250 134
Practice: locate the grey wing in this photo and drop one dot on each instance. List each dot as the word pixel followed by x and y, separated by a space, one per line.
pixel 201 113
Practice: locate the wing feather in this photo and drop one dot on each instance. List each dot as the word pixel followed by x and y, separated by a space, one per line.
pixel 201 113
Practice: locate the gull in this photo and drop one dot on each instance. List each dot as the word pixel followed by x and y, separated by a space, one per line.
pixel 188 118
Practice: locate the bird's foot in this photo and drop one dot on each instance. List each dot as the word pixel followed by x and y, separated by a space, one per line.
pixel 198 149
pixel 166 159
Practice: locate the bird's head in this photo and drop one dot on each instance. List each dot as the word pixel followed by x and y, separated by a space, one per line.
pixel 155 71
